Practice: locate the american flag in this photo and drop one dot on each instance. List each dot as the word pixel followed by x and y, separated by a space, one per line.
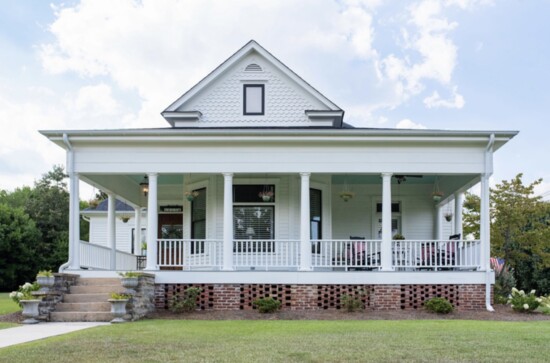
pixel 497 264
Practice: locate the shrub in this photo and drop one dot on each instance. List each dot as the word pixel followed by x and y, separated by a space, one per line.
pixel 186 304
pixel 25 292
pixel 545 304
pixel 504 282
pixel 523 302
pixel 354 302
pixel 439 305
pixel 267 305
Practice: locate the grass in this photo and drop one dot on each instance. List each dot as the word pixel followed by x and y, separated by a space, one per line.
pixel 295 341
pixel 7 306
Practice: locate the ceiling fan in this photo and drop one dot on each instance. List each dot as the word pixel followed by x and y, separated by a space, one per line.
pixel 403 178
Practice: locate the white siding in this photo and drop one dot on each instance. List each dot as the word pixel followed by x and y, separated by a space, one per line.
pixel 98 232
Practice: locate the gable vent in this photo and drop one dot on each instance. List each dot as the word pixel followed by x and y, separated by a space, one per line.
pixel 253 68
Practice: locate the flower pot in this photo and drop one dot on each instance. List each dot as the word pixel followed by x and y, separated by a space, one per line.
pixel 118 309
pixel 130 283
pixel 45 282
pixel 190 198
pixel 30 311
pixel 448 218
pixel 437 198
pixel 266 198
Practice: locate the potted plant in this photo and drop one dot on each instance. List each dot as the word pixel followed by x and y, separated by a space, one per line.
pixel 118 306
pixel 266 196
pixel 45 279
pixel 191 195
pixel 448 217
pixel 144 248
pixel 398 237
pixel 437 195
pixel 130 280
pixel 27 301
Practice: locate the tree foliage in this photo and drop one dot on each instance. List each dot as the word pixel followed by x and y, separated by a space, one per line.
pixel 520 230
pixel 19 238
pixel 45 209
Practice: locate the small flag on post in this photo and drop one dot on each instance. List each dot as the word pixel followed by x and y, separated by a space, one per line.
pixel 497 264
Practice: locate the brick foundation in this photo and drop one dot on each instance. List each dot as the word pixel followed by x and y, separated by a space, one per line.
pixel 321 297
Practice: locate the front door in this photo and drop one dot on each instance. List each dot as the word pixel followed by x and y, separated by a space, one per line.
pixel 170 226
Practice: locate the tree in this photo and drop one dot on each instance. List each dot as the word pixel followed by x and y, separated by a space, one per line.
pixel 18 241
pixel 470 218
pixel 48 206
pixel 520 230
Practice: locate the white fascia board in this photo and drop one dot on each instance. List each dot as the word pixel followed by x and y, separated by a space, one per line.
pixel 313 277
pixel 241 53
pixel 181 118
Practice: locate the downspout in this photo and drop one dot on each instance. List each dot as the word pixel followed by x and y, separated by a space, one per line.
pixel 488 173
pixel 69 171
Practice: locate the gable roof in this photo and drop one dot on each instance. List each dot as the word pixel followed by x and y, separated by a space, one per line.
pixel 252 46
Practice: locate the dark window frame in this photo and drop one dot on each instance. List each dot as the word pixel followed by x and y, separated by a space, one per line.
pixel 245 86
pixel 316 248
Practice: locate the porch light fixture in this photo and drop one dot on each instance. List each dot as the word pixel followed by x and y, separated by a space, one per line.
pixel 144 185
pixel 346 194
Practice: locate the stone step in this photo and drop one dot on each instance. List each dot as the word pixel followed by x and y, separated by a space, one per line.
pixel 93 289
pixel 84 298
pixel 81 316
pixel 98 281
pixel 83 306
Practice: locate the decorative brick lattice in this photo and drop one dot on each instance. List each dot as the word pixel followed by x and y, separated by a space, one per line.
pixel 330 296
pixel 249 293
pixel 205 300
pixel 414 296
pixel 321 297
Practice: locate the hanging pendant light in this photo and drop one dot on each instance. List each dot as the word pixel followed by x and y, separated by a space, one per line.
pixel 346 194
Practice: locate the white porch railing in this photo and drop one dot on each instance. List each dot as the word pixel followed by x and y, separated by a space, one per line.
pixel 192 253
pixel 434 254
pixel 411 255
pixel 98 257
pixel 347 254
pixel 266 254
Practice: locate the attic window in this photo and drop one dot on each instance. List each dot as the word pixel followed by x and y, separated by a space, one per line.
pixel 253 99
pixel 253 68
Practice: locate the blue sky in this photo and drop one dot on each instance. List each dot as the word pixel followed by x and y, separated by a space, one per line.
pixel 443 64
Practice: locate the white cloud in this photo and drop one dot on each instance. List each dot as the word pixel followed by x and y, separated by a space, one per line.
pixel 435 100
pixel 543 189
pixel 97 99
pixel 408 124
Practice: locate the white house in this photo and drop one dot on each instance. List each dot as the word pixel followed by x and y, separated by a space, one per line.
pixel 285 194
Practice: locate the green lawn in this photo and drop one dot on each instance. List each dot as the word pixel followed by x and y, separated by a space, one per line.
pixel 295 341
pixel 7 305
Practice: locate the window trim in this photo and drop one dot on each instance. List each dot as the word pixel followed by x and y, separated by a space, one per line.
pixel 245 86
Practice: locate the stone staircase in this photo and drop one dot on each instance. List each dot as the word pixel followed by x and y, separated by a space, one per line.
pixel 87 300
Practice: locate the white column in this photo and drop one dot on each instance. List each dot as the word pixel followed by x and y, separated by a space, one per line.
pixel 459 197
pixel 438 221
pixel 227 221
pixel 111 229
pixel 74 222
pixel 305 244
pixel 152 223
pixel 137 230
pixel 386 249
pixel 484 224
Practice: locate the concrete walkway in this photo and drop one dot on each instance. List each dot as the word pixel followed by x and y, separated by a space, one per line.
pixel 28 333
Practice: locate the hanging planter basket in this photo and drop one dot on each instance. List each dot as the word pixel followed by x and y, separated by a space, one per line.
pixel 346 196
pixel 266 196
pixel 190 196
pixel 448 217
pixel 436 196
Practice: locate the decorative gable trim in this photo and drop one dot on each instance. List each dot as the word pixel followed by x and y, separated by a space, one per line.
pixel 181 118
pixel 240 54
pixel 326 118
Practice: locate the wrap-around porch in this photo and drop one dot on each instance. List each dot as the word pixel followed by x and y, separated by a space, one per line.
pixel 238 244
